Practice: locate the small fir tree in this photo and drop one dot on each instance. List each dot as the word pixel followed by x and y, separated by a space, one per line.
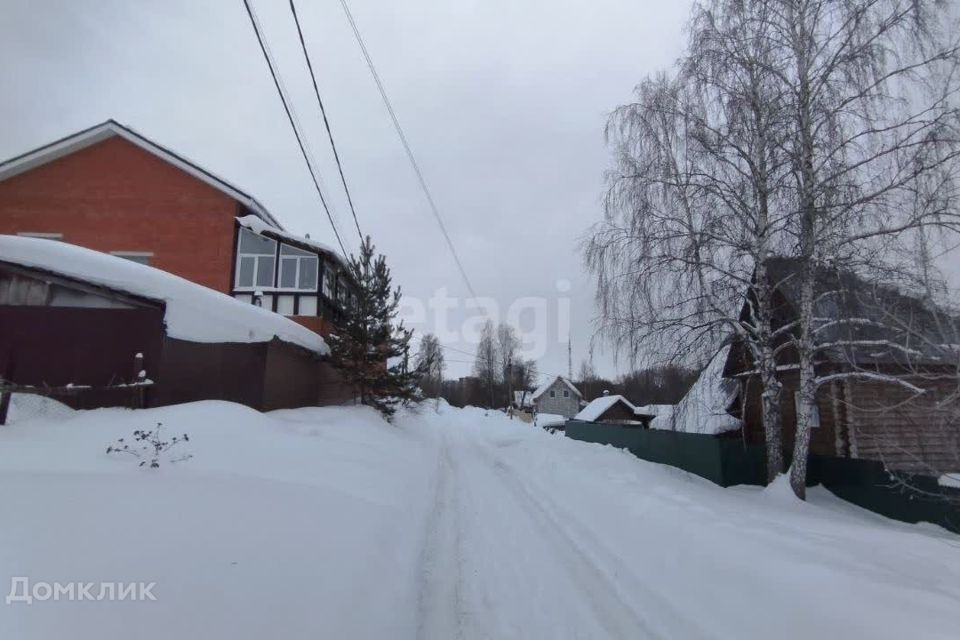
pixel 370 348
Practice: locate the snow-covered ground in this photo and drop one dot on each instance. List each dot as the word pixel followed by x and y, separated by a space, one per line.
pixel 330 523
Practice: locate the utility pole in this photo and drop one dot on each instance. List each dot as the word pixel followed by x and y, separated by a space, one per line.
pixel 569 360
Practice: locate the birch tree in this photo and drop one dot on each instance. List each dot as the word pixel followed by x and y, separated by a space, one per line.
pixel 870 94
pixel 693 206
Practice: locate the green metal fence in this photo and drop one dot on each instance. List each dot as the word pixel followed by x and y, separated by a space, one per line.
pixel 727 461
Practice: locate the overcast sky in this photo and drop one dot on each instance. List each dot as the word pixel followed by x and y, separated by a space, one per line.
pixel 503 102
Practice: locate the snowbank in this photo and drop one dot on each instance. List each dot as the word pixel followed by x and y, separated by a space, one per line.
pixel 544 420
pixel 25 407
pixel 704 408
pixel 193 312
pixel 330 523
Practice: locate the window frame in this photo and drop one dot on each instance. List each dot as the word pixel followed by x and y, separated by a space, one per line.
pixel 237 286
pixel 296 258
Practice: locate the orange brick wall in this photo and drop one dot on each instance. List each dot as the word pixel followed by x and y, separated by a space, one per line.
pixel 114 196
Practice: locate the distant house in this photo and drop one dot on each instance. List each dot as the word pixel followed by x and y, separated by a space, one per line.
pixel 614 409
pixel 557 396
pixel 863 417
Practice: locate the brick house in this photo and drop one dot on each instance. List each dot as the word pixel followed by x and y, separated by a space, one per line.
pixel 110 189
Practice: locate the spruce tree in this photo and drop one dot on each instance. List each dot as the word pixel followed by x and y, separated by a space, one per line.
pixel 370 347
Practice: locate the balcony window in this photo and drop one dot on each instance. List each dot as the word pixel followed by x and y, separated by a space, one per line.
pixel 256 261
pixel 329 280
pixel 298 269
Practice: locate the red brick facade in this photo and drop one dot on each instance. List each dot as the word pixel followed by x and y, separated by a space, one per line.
pixel 115 196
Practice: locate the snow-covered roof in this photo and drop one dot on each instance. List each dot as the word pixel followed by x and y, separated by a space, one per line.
pixel 549 383
pixel 193 312
pixel 550 420
pixel 261 227
pixel 704 408
pixel 88 137
pixel 598 407
pixel 662 414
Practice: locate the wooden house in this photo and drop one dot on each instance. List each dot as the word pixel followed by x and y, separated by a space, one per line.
pixel 614 409
pixel 868 337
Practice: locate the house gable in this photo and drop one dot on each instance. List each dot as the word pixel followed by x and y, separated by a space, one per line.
pixel 113 195
pixel 106 130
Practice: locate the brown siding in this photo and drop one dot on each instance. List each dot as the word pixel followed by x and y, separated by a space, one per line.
pixel 211 371
pixel 56 346
pixel 872 420
pixel 617 413
pixel 907 433
pixel 822 440
pixel 114 196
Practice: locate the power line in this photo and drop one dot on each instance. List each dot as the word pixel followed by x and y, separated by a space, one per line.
pixel 403 140
pixel 296 132
pixel 326 122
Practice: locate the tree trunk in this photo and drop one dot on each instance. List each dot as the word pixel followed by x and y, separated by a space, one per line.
pixel 772 421
pixel 808 385
pixel 770 396
pixel 807 240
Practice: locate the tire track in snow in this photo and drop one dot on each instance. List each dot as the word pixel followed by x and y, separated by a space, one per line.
pixel 440 601
pixel 617 615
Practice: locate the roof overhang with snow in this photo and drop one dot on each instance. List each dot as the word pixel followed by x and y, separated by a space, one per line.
pixel 598 407
pixel 105 130
pixel 193 312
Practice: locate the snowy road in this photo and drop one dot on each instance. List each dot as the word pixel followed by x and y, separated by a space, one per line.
pixel 328 523
pixel 501 559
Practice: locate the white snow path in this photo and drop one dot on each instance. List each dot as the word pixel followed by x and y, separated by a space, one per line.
pixel 457 524
pixel 514 548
